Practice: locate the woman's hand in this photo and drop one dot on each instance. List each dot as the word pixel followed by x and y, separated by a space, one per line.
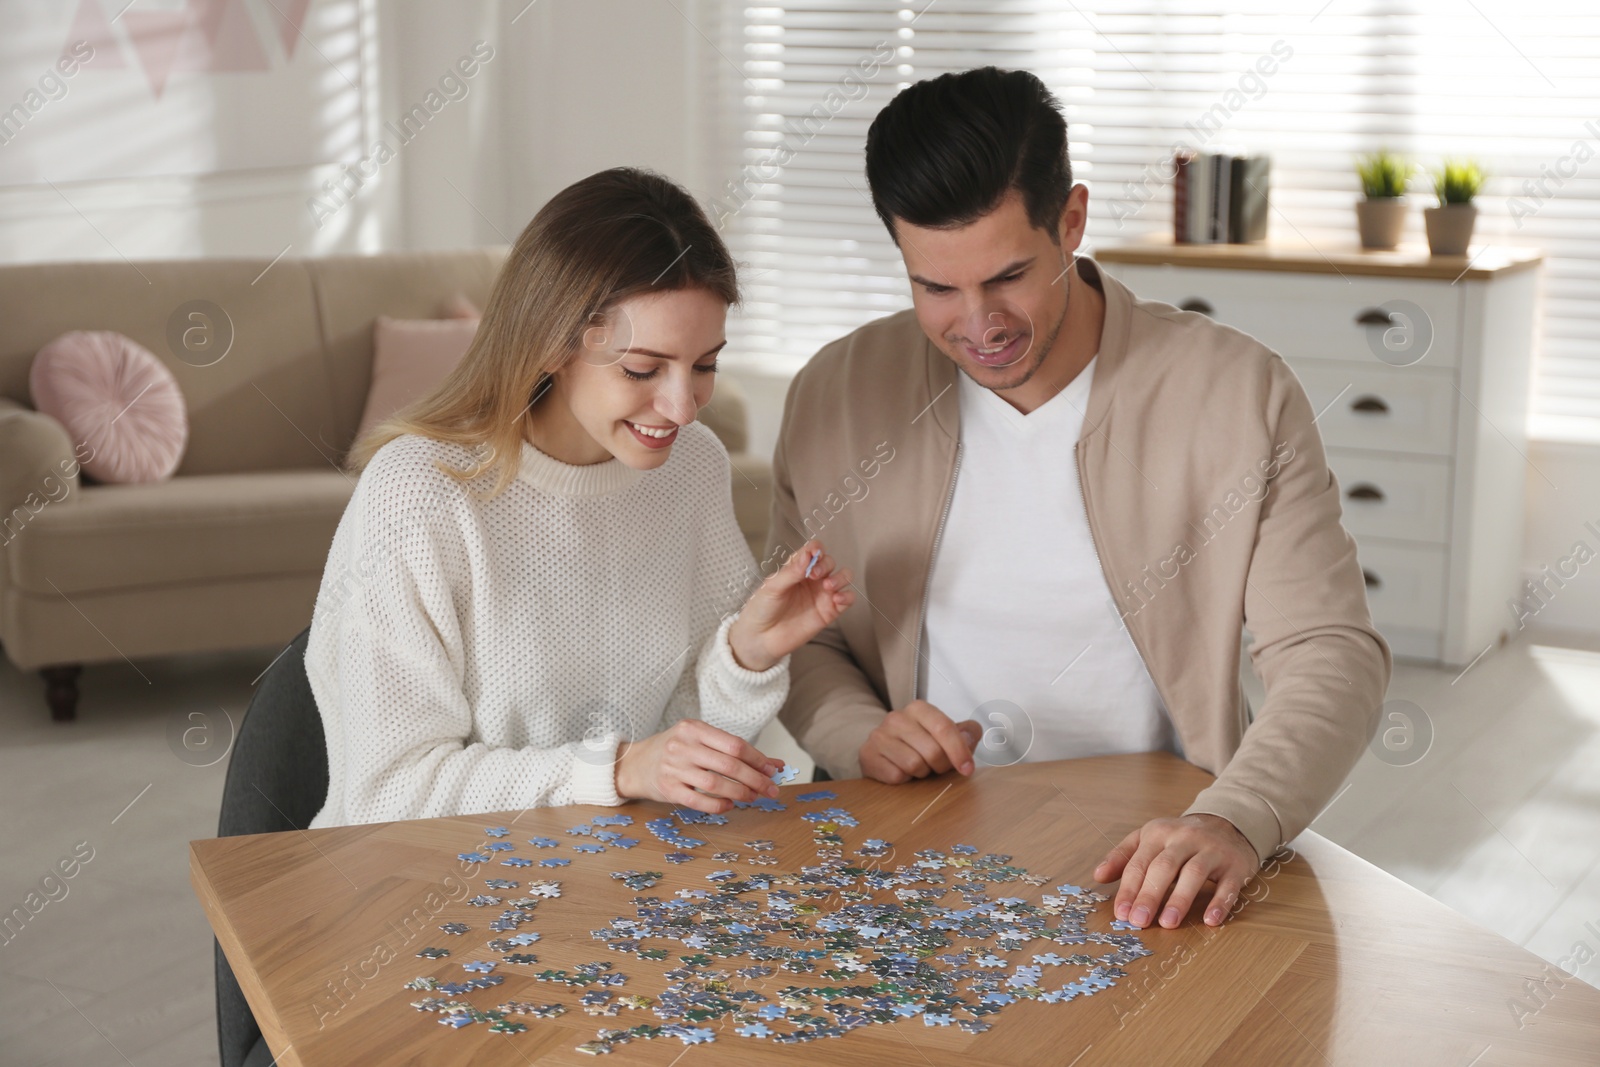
pixel 696 765
pixel 789 608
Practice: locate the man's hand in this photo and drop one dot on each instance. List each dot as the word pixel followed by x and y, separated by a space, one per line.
pixel 916 741
pixel 1191 849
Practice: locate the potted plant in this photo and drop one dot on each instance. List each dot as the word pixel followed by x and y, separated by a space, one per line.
pixel 1450 224
pixel 1382 215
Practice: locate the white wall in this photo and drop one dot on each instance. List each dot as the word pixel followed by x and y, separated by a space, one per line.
pixel 1563 508
pixel 607 83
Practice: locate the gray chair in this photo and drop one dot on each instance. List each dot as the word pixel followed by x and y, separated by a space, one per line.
pixel 277 780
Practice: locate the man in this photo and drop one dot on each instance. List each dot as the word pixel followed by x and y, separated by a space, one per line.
pixel 1074 501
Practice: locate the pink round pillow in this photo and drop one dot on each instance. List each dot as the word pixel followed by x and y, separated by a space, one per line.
pixel 113 395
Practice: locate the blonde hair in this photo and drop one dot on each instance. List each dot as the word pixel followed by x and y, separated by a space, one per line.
pixel 599 241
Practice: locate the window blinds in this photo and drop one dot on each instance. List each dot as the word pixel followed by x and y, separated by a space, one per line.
pixel 1516 87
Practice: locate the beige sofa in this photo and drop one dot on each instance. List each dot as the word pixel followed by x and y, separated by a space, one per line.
pixel 229 553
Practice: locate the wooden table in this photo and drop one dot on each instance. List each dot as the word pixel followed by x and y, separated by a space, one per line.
pixel 1331 961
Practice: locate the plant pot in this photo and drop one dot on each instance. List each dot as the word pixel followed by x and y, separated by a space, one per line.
pixel 1450 228
pixel 1381 221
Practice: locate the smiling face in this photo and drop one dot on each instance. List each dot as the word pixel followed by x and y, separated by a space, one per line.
pixel 993 296
pixel 634 381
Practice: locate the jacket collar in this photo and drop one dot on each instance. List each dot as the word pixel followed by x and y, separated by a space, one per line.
pixel 1114 333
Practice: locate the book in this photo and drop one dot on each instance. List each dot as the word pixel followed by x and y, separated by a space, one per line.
pixel 1221 186
pixel 1220 195
pixel 1199 229
pixel 1182 160
pixel 1247 221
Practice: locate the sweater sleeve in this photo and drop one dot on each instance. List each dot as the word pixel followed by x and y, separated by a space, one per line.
pixel 724 694
pixel 832 707
pixel 1324 666
pixel 386 662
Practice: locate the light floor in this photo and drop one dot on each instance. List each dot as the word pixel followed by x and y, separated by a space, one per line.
pixel 1500 820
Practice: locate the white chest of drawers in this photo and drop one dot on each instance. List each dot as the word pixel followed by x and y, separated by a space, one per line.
pixel 1419 367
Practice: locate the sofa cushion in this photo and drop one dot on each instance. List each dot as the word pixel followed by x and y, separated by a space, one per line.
pixel 116 398
pixel 352 291
pixel 188 530
pixel 459 306
pixel 409 358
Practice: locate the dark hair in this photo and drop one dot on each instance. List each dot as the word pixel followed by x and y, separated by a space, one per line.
pixel 945 151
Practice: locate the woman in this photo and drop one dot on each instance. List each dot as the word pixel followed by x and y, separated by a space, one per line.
pixel 526 602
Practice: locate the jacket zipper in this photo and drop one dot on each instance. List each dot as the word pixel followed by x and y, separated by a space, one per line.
pixel 927 581
pixel 1083 496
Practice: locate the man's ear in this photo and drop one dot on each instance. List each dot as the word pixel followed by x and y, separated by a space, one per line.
pixel 1074 219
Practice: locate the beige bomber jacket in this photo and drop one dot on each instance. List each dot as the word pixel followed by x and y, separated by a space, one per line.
pixel 1210 503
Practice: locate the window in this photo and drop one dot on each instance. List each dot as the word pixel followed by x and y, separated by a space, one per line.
pixel 798 84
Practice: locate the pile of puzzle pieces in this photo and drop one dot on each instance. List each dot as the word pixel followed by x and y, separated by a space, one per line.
pixel 842 943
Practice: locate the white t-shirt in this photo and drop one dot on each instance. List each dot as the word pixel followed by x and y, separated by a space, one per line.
pixel 1021 633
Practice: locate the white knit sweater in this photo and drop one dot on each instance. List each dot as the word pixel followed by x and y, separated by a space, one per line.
pixel 476 655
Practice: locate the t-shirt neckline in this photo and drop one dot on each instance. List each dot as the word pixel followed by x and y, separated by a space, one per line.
pixel 1072 402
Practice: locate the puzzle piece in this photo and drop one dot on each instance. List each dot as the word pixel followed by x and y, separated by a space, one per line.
pixel 876 962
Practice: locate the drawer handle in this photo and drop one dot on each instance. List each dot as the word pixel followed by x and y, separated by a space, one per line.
pixel 1365 491
pixel 1370 405
pixel 1194 303
pixel 1375 317
pixel 1372 580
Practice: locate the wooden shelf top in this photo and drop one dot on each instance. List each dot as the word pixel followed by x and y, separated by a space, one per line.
pixel 1408 261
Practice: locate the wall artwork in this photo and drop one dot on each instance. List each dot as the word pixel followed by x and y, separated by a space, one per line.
pixel 111 89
